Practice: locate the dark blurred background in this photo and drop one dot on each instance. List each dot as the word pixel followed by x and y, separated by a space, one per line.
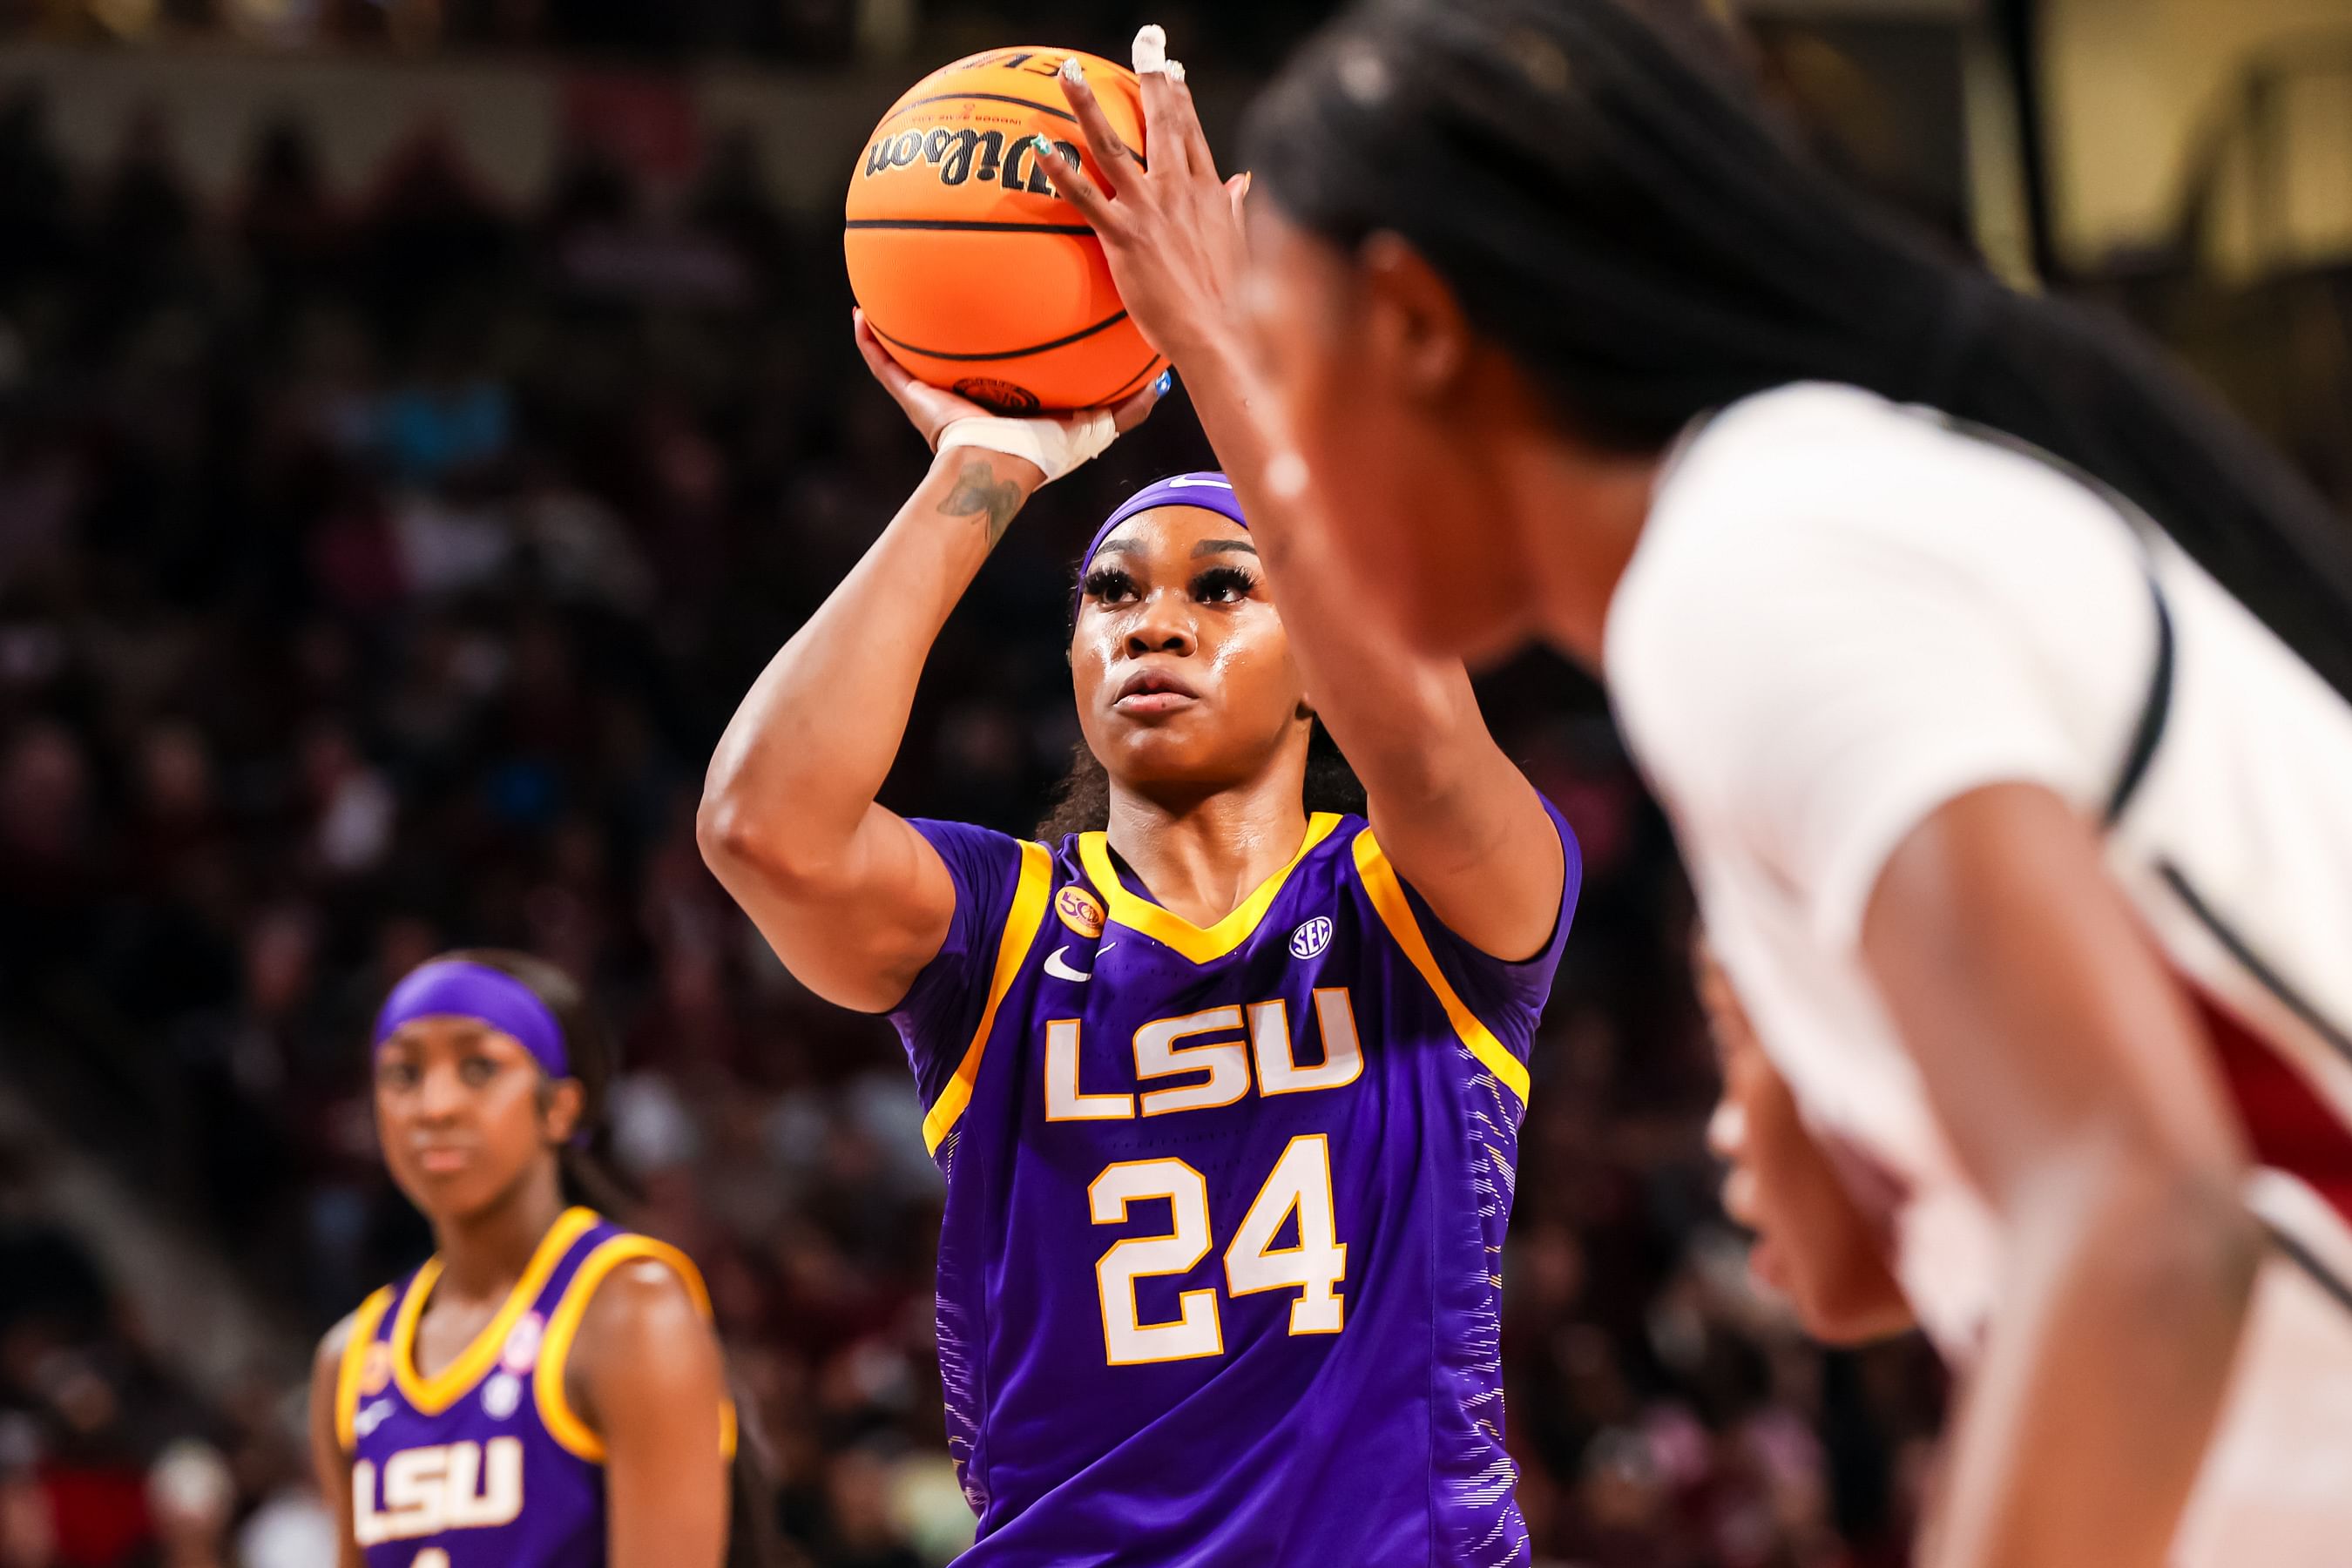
pixel 419 419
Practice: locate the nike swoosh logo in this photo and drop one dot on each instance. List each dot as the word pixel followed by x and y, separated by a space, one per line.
pixel 1060 970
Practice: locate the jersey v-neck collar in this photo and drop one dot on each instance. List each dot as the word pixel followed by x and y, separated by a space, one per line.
pixel 432 1395
pixel 1138 913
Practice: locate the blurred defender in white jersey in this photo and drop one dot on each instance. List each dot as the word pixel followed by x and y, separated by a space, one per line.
pixel 1858 648
pixel 1924 609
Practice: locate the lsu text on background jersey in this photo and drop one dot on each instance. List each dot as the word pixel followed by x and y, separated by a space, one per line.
pixel 485 1464
pixel 1219 1271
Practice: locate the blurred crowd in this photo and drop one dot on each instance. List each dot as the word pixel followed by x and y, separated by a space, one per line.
pixel 822 31
pixel 375 577
pixel 795 32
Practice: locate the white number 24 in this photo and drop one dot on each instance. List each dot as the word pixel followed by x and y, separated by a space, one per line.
pixel 1300 1181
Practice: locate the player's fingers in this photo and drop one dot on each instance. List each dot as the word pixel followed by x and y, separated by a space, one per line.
pixel 1237 192
pixel 1182 126
pixel 1077 186
pixel 893 376
pixel 1170 155
pixel 1112 156
pixel 1154 70
pixel 1126 416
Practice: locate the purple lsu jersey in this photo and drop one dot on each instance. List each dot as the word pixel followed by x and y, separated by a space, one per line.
pixel 1220 1270
pixel 484 1464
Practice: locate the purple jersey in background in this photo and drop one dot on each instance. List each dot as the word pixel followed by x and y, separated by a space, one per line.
pixel 1220 1274
pixel 484 1464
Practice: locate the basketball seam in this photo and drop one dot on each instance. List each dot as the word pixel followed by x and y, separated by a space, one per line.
pixel 1084 332
pixel 983 225
pixel 1126 386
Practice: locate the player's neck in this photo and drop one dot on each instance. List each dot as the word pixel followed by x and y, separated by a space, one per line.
pixel 1582 512
pixel 1201 859
pixel 485 1252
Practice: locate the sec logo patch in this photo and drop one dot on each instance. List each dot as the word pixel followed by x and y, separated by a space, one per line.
pixel 375 1369
pixel 1311 938
pixel 522 1352
pixel 1079 911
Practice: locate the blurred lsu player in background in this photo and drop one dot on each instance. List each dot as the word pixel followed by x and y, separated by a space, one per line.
pixel 546 1392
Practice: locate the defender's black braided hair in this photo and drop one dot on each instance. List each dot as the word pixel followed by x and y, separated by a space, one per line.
pixel 1612 209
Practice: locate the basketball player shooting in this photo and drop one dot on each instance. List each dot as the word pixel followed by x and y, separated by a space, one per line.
pixel 1224 1072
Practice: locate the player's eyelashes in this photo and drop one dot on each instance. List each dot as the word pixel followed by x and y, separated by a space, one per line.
pixel 1223 585
pixel 473 1071
pixel 1217 585
pixel 1109 585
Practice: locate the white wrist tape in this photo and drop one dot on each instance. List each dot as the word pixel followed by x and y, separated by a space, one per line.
pixel 1055 446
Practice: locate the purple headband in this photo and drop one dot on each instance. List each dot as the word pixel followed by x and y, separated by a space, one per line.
pixel 1209 491
pixel 453 988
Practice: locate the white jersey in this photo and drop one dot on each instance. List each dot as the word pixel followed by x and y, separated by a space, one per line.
pixel 1843 613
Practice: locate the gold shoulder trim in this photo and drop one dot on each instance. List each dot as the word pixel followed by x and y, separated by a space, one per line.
pixel 1396 913
pixel 1021 925
pixel 555 1411
pixel 364 1323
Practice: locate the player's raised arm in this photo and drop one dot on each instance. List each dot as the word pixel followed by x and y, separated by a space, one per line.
pixel 852 899
pixel 1452 811
pixel 847 894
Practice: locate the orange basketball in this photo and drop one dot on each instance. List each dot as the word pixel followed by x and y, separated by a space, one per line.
pixel 971 268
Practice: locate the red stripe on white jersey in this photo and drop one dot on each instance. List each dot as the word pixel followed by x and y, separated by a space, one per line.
pixel 2288 1126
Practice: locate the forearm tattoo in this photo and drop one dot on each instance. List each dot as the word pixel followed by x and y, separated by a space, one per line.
pixel 979 493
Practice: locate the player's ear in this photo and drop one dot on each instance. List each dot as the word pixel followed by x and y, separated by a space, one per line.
pixel 560 1110
pixel 1414 330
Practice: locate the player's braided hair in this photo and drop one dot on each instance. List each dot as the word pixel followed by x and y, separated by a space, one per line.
pixel 1611 207
pixel 590 1178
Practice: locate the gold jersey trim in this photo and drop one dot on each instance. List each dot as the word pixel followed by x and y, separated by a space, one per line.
pixel 1028 912
pixel 555 1411
pixel 432 1395
pixel 364 1323
pixel 1396 913
pixel 1173 930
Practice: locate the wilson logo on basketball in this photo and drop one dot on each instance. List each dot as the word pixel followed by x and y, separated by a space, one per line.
pixel 970 264
pixel 965 154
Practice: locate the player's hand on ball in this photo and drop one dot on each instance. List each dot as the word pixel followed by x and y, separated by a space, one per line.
pixel 1055 443
pixel 931 409
pixel 1172 232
